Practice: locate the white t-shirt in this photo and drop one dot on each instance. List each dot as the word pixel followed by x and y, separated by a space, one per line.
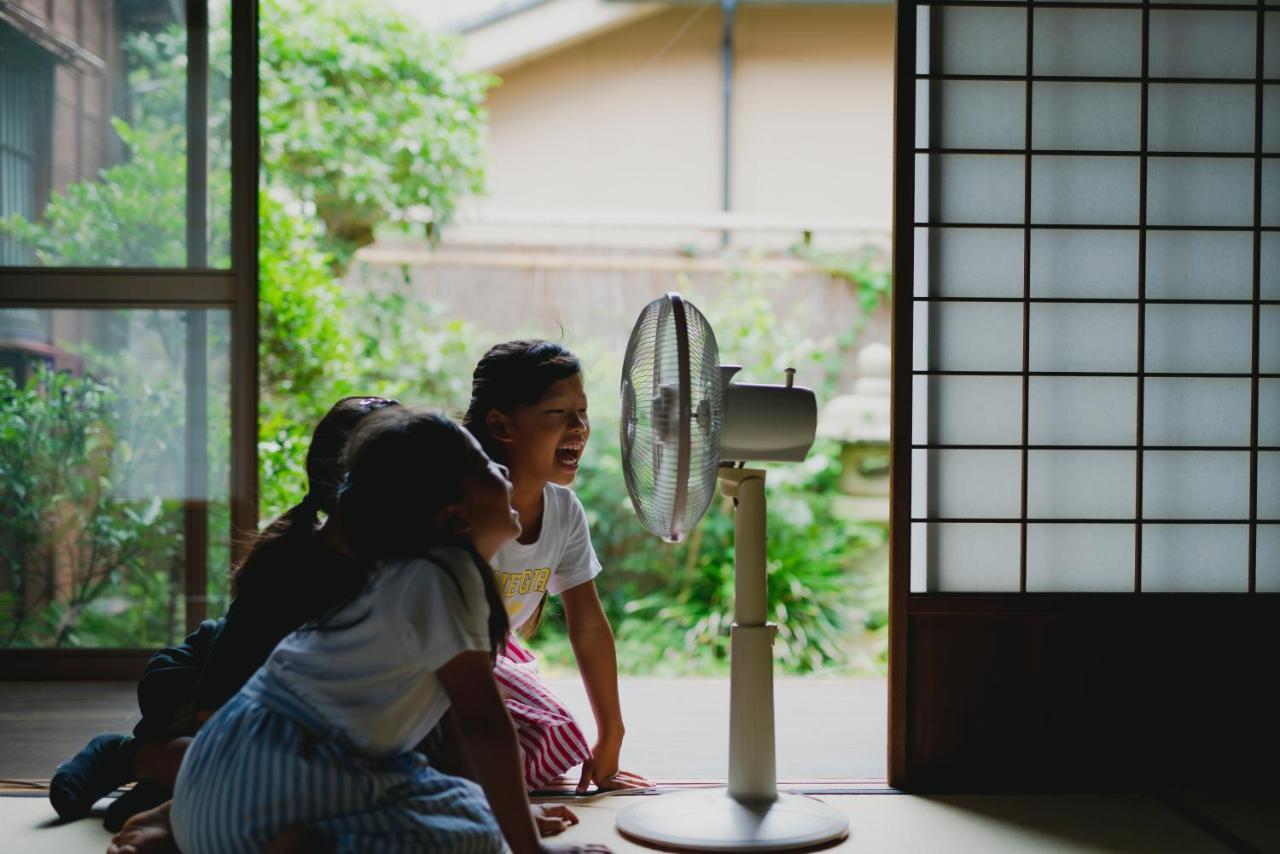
pixel 376 679
pixel 562 557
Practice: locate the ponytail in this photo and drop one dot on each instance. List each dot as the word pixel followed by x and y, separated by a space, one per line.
pixel 264 552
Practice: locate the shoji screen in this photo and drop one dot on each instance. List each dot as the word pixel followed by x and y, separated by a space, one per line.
pixel 1096 341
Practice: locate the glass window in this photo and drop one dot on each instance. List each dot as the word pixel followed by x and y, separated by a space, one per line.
pixel 107 451
pixel 95 138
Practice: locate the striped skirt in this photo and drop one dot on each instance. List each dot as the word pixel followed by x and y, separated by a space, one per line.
pixel 266 761
pixel 550 738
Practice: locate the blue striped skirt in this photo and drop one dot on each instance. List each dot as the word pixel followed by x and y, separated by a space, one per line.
pixel 267 761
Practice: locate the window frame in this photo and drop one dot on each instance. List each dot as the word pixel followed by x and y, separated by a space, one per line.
pixel 195 288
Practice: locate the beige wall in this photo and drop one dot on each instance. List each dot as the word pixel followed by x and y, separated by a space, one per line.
pixel 613 136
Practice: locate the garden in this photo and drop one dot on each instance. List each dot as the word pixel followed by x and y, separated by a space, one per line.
pixel 94 561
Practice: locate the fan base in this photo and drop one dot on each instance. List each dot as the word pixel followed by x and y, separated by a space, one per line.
pixel 710 820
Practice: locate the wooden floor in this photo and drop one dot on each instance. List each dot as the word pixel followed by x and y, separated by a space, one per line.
pixel 43 723
pixel 676 728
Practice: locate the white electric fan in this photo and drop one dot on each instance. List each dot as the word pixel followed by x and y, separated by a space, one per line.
pixel 684 426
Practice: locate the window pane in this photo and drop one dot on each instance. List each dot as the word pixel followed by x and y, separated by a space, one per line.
pixel 1083 337
pixel 1200 191
pixel 1082 410
pixel 1199 339
pixel 971 114
pixel 955 336
pixel 1081 484
pixel 961 484
pixel 971 558
pixel 968 262
pixel 1191 411
pixel 1081 264
pixel 1086 190
pixel 100 459
pixel 970 188
pixel 1188 43
pixel 1199 265
pixel 94 139
pixel 964 410
pixel 1100 116
pixel 977 40
pixel 1195 485
pixel 1199 117
pixel 1088 42
pixel 1195 558
pixel 1079 558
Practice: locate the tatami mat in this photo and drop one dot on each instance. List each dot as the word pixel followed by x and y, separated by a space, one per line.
pixel 879 822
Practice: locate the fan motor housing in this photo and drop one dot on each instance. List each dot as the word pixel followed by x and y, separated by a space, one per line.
pixel 768 423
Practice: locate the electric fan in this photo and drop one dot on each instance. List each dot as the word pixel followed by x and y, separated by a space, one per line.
pixel 684 426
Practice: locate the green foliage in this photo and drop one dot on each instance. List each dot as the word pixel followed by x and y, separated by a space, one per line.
pixel 84 564
pixel 866 270
pixel 409 151
pixel 132 215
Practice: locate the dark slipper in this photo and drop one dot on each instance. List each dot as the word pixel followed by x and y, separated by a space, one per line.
pixel 105 764
pixel 146 795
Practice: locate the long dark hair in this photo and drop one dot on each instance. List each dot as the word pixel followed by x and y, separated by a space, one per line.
pixel 513 374
pixel 292 529
pixel 403 467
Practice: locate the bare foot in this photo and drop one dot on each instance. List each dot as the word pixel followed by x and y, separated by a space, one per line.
pixel 146 833
pixel 299 840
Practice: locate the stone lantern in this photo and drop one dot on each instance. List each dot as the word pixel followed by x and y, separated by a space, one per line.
pixel 860 421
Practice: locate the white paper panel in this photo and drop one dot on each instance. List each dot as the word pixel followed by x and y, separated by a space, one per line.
pixel 1093 116
pixel 983 336
pixel 1081 484
pixel 1083 337
pixel 1203 117
pixel 969 188
pixel 1084 190
pixel 966 484
pixel 1199 265
pixel 1269 485
pixel 974 40
pixel 1199 339
pixel 1076 263
pixel 1195 558
pixel 1269 339
pixel 1269 412
pixel 968 262
pixel 1080 558
pixel 1270 266
pixel 1195 485
pixel 1271 51
pixel 950 558
pixel 1199 191
pixel 1205 411
pixel 1088 42
pixel 1271 192
pixel 1082 411
pixel 924 38
pixel 1271 119
pixel 971 114
pixel 1267 569
pixel 1202 44
pixel 967 410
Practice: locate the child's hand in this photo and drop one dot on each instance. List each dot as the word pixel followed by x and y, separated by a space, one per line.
pixel 601 768
pixel 552 818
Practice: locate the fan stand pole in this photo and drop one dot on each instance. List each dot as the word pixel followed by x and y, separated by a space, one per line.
pixel 750 815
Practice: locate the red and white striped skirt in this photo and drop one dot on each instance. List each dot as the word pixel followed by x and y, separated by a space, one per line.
pixel 550 738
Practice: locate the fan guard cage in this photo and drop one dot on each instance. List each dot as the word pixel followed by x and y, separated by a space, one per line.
pixel 672 413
